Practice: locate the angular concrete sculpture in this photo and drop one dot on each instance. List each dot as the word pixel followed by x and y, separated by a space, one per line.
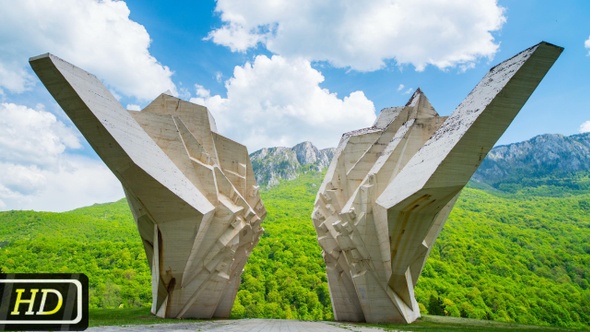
pixel 191 191
pixel 390 188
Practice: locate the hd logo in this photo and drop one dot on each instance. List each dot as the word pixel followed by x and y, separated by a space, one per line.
pixel 43 302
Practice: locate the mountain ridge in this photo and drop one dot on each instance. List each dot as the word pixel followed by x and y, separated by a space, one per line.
pixel 282 163
pixel 543 156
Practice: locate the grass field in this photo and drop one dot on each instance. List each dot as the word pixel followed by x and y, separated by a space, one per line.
pixel 137 316
pixel 118 317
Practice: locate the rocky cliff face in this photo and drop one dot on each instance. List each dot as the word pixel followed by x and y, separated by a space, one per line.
pixel 273 164
pixel 548 155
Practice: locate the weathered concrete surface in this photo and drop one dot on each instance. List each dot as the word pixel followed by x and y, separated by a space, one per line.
pixel 243 325
pixel 192 191
pixel 391 187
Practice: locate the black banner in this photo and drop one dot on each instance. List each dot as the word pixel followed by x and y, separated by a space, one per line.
pixel 36 301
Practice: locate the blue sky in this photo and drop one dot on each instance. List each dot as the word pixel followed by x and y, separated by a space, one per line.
pixel 271 72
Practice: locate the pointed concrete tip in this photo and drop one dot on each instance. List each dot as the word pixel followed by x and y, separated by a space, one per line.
pixel 415 96
pixel 554 51
pixel 41 56
pixel 550 44
pixel 423 106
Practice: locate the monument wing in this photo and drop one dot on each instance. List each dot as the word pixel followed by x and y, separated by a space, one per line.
pixel 191 191
pixel 391 187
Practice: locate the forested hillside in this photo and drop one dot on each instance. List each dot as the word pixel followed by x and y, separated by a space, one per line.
pixel 522 259
pixel 100 241
pixel 508 257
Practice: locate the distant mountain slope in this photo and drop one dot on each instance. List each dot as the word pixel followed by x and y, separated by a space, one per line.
pixel 549 160
pixel 280 163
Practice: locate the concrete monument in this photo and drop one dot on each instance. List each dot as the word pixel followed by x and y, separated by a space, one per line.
pixel 192 191
pixel 390 188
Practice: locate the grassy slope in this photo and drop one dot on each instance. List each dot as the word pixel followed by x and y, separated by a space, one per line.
pixel 100 241
pixel 511 259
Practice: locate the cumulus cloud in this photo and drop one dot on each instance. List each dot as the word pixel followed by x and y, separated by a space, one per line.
pixel 587 45
pixel 585 127
pixel 74 182
pixel 278 102
pixel 33 136
pixel 89 33
pixel 37 170
pixel 364 35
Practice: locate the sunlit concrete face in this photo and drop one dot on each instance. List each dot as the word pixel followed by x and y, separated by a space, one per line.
pixel 192 191
pixel 391 187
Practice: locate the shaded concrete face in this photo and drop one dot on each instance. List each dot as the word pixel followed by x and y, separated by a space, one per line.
pixel 391 187
pixel 192 191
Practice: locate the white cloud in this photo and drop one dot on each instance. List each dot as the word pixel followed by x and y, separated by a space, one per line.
pixel 33 136
pixel 585 127
pixel 235 37
pixel 587 45
pixel 74 182
pixel 402 89
pixel 88 33
pixel 19 180
pixel 37 172
pixel 133 107
pixel 278 102
pixel 218 77
pixel 364 35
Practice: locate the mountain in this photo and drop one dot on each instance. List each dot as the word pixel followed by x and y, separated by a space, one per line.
pixel 548 160
pixel 543 164
pixel 280 163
